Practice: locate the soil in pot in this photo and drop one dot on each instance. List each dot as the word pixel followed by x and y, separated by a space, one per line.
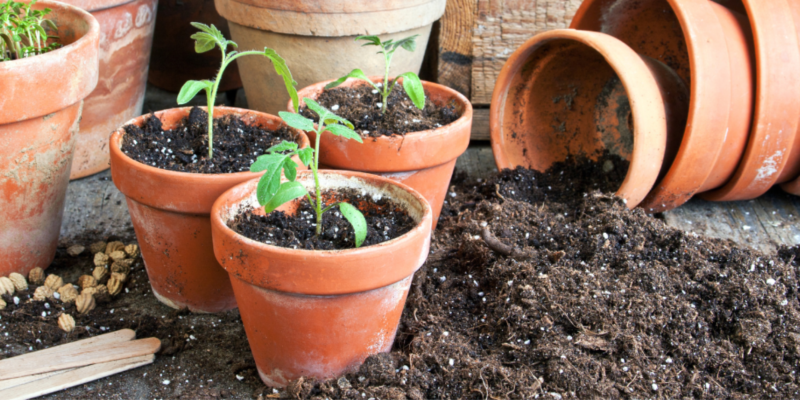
pixel 385 221
pixel 360 105
pixel 185 148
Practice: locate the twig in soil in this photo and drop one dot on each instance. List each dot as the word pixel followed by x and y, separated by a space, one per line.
pixel 503 249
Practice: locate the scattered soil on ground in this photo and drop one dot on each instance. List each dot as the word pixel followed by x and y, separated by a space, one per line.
pixel 359 105
pixel 385 221
pixel 185 148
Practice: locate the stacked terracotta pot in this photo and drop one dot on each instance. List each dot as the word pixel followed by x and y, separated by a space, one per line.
pixel 726 132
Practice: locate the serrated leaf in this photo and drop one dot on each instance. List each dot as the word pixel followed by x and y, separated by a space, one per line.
pixel 409 43
pixel 356 73
pixel 413 87
pixel 203 27
pixel 325 115
pixel 286 193
pixel 296 121
pixel 356 220
pixel 283 146
pixel 264 161
pixel 190 89
pixel 283 71
pixel 270 182
pixel 203 42
pixel 345 132
pixel 371 39
pixel 306 155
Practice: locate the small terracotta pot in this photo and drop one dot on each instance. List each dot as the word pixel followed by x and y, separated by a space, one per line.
pixel 126 31
pixel 316 37
pixel 170 210
pixel 771 156
pixel 174 60
pixel 314 313
pixel 568 92
pixel 40 105
pixel 710 47
pixel 422 160
pixel 792 166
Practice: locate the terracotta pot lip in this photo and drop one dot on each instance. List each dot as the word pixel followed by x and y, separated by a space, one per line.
pixel 97 5
pixel 419 228
pixel 465 117
pixel 116 142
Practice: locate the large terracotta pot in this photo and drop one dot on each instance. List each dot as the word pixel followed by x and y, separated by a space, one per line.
pixel 422 160
pixel 316 39
pixel 793 186
pixel 170 214
pixel 568 92
pixel 174 60
pixel 126 33
pixel 40 106
pixel 314 313
pixel 710 47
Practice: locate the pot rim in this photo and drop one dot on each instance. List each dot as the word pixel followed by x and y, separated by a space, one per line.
pixel 97 5
pixel 642 168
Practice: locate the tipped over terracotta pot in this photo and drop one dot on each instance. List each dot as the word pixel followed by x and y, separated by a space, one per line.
pixel 320 313
pixel 40 105
pixel 570 93
pixel 170 214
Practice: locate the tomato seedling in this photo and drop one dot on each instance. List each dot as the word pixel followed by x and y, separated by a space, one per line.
pixel 23 31
pixel 411 83
pixel 205 40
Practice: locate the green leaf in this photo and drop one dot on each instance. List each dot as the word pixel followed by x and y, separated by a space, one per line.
pixel 264 161
pixel 283 146
pixel 191 88
pixel 356 73
pixel 306 155
pixel 286 193
pixel 373 40
pixel 341 130
pixel 270 182
pixel 414 89
pixel 324 114
pixel 297 121
pixel 203 27
pixel 357 220
pixel 203 42
pixel 290 170
pixel 283 70
pixel 409 43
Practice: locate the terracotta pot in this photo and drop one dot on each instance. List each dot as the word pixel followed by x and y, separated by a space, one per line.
pixel 314 313
pixel 793 186
pixel 126 30
pixel 170 210
pixel 174 60
pixel 316 39
pixel 422 160
pixel 567 92
pixel 40 105
pixel 710 47
pixel 771 156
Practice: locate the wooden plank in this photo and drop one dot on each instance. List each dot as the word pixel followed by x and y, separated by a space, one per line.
pixel 454 67
pixel 477 162
pixel 38 363
pixel 480 125
pixel 77 376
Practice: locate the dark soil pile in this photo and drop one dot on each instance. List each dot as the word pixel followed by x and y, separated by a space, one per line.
pixel 185 148
pixel 385 221
pixel 360 105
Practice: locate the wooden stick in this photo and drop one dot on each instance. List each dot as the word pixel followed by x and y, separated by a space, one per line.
pixel 74 377
pixel 40 363
pixel 9 383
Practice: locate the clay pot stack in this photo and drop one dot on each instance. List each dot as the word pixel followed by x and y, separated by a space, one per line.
pixel 728 132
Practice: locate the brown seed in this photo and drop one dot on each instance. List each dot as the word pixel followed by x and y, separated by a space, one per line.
pixel 132 250
pixel 66 322
pixel 19 281
pixel 2 304
pixel 6 286
pixel 122 266
pixel 114 246
pixel 36 276
pixel 100 259
pixel 97 247
pixel 86 281
pixel 85 303
pixel 68 293
pixel 117 255
pixel 114 285
pixel 42 293
pixel 54 282
pixel 120 276
pixel 100 274
pixel 75 250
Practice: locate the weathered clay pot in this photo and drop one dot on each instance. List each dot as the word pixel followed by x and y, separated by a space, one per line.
pixel 568 92
pixel 174 60
pixel 710 47
pixel 317 39
pixel 422 160
pixel 40 105
pixel 319 314
pixel 793 186
pixel 169 211
pixel 126 33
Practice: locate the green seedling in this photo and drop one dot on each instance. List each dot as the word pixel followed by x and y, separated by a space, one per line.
pixel 23 31
pixel 272 193
pixel 411 83
pixel 205 40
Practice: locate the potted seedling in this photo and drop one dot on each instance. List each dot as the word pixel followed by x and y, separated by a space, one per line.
pixel 416 129
pixel 48 65
pixel 320 261
pixel 173 164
